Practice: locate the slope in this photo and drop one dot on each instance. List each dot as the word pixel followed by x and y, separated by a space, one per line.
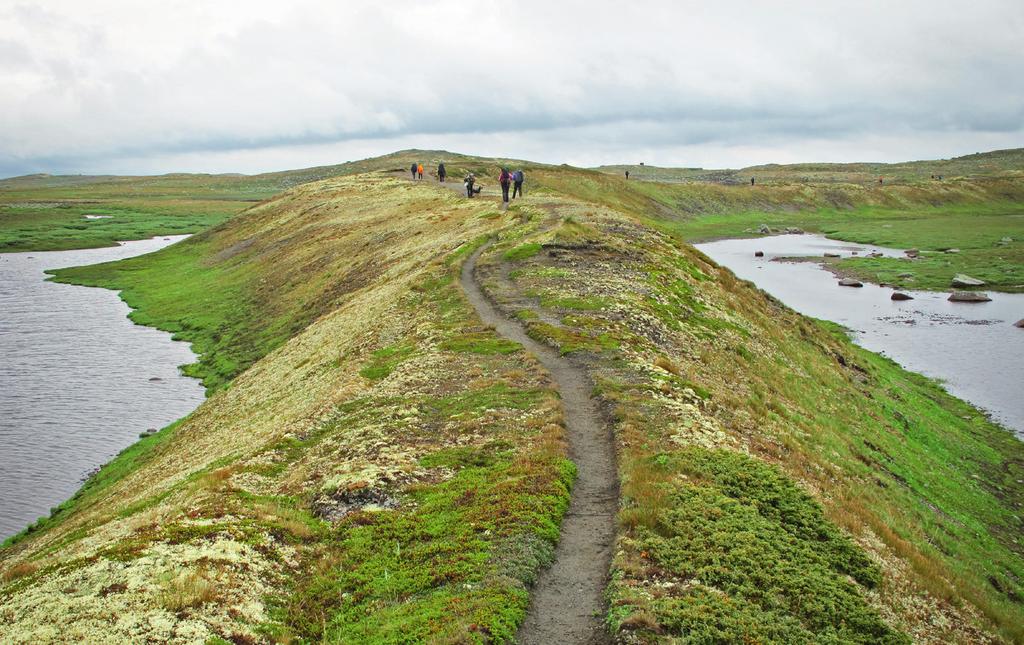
pixel 388 469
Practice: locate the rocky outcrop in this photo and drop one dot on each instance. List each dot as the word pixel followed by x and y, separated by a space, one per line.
pixel 964 280
pixel 969 296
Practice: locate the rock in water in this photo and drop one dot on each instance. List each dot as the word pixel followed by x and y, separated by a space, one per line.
pixel 969 296
pixel 1019 323
pixel 899 295
pixel 912 253
pixel 964 280
pixel 850 282
pixel 758 254
pixel 832 255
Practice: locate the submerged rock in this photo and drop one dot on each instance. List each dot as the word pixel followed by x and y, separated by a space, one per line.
pixel 154 379
pixel 964 280
pixel 969 296
pixel 899 295
pixel 850 282
pixel 832 255
pixel 758 254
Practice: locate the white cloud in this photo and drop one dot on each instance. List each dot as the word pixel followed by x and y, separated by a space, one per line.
pixel 191 85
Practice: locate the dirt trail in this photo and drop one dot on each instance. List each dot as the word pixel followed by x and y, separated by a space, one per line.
pixel 567 603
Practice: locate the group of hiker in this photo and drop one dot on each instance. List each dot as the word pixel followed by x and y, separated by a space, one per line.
pixel 506 179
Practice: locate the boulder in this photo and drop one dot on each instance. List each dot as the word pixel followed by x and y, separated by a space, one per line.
pixel 853 253
pixel 899 295
pixel 969 296
pixel 1005 240
pixel 764 229
pixel 964 280
pixel 758 254
pixel 850 282
pixel 912 253
pixel 1019 323
pixel 792 230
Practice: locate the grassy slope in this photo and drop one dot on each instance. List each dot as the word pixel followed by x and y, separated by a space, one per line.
pixel 394 395
pixel 729 410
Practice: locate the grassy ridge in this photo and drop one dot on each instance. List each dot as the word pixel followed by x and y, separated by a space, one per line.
pixel 375 466
pixel 392 470
pixel 711 382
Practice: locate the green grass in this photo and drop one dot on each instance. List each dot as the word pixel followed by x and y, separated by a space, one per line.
pixel 522 252
pixel 385 360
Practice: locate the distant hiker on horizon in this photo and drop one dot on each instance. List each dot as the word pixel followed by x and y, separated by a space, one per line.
pixel 468 182
pixel 442 174
pixel 419 170
pixel 751 181
pixel 412 169
pixel 504 178
pixel 627 175
pixel 517 183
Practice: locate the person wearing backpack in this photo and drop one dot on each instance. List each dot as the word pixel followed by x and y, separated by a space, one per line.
pixel 412 168
pixel 419 169
pixel 517 183
pixel 442 174
pixel 468 183
pixel 504 178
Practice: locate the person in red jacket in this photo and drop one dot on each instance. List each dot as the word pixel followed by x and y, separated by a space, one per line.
pixel 505 179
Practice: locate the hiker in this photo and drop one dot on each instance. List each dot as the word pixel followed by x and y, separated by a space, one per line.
pixel 504 178
pixel 627 175
pixel 442 174
pixel 751 181
pixel 412 169
pixel 879 180
pixel 419 170
pixel 468 182
pixel 517 183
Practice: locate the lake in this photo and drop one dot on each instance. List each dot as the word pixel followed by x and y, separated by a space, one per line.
pixel 973 348
pixel 79 381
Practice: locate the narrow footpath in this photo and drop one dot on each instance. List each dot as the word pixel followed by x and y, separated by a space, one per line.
pixel 567 604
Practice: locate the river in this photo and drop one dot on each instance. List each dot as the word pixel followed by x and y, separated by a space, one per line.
pixel 973 348
pixel 79 381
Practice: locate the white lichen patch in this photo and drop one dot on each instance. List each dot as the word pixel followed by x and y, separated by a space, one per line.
pixel 172 593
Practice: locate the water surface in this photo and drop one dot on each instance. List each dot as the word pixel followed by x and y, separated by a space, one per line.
pixel 78 382
pixel 972 347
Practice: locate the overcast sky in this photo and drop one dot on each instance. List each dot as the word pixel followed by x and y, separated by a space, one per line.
pixel 133 87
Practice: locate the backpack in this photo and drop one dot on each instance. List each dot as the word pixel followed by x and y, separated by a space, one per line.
pixel 503 177
pixel 517 176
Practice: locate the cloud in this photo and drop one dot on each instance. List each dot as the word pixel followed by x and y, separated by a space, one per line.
pixel 102 85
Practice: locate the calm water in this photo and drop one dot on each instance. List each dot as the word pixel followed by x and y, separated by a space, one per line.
pixel 75 384
pixel 972 347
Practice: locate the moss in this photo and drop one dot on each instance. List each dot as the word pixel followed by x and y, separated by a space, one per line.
pixel 522 252
pixel 385 360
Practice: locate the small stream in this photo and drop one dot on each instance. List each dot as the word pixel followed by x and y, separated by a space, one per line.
pixel 79 381
pixel 973 348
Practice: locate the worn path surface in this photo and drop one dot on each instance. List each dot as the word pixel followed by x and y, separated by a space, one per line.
pixel 567 603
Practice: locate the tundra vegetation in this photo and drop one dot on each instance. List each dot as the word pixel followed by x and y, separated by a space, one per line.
pixel 374 465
